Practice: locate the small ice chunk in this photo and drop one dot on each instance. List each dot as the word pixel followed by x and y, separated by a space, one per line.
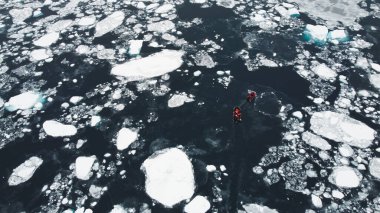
pixel 47 40
pixel 199 204
pixel 161 27
pixel 316 141
pixel 317 202
pixel 40 54
pixel 197 73
pixel 164 8
pixel 125 137
pixel 316 34
pixel 86 21
pixel 118 209
pixel 346 150
pixel 202 58
pixel 56 129
pixel 375 67
pixel 210 168
pixel 95 120
pixel 109 23
pixel 59 25
pixel 337 194
pixel 342 128
pixel 226 3
pixel 298 115
pixel 256 208
pixel 23 101
pixel 374 79
pixel 338 35
pixel 374 167
pixel 345 177
pixel 25 171
pixel 178 100
pixel 76 99
pixel 151 66
pixel 83 165
pixel 19 15
pixel 135 47
pixel 324 72
pixel 169 176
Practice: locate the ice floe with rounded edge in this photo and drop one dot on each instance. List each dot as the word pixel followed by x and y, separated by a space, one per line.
pixel 315 141
pixel 25 171
pixel 345 150
pixel 374 79
pixel 151 66
pixel 342 128
pixel 40 54
pixel 109 23
pixel 83 166
pixel 125 137
pixel 164 8
pixel 19 15
pixel 226 3
pixel 56 129
pixel 86 21
pixel 169 176
pixel 161 26
pixel 317 202
pixel 199 204
pixel 345 177
pixel 23 101
pixel 60 25
pixel 178 100
pixel 256 208
pixel 118 209
pixel 47 40
pixel 324 72
pixel 374 167
pixel 338 36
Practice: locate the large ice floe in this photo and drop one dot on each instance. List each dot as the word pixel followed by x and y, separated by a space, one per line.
pixel 151 66
pixel 57 129
pixel 109 23
pixel 125 137
pixel 24 171
pixel 24 101
pixel 169 176
pixel 345 177
pixel 341 128
pixel 83 166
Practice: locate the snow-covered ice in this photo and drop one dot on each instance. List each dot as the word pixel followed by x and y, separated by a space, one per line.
pixel 374 79
pixel 40 54
pixel 338 36
pixel 25 171
pixel 109 23
pixel 19 15
pixel 256 208
pixel 324 72
pixel 135 47
pixel 374 167
pixel 118 209
pixel 95 120
pixel 199 204
pixel 75 99
pixel 164 8
pixel 226 3
pixel 317 202
pixel 342 128
pixel 125 137
pixel 161 26
pixel 23 101
pixel 47 40
pixel 345 177
pixel 151 66
pixel 345 150
pixel 56 129
pixel 178 100
pixel 169 176
pixel 86 21
pixel 83 166
pixel 315 141
pixel 316 33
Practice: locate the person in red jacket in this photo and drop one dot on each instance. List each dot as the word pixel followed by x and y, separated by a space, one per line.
pixel 237 114
pixel 251 97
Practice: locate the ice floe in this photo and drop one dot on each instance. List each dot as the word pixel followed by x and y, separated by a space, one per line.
pixel 315 141
pixel 169 176
pixel 345 150
pixel 23 101
pixel 40 54
pixel 135 47
pixel 342 128
pixel 161 26
pixel 374 167
pixel 151 66
pixel 164 8
pixel 374 79
pixel 25 171
pixel 178 100
pixel 109 23
pixel 19 15
pixel 125 137
pixel 338 36
pixel 86 21
pixel 56 129
pixel 83 166
pixel 256 208
pixel 345 177
pixel 47 40
pixel 316 33
pixel 325 72
pixel 317 202
pixel 199 204
pixel 202 58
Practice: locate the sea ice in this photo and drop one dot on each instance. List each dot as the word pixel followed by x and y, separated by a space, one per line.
pixel 161 27
pixel 109 23
pixel 374 79
pixel 40 54
pixel 317 202
pixel 337 194
pixel 316 34
pixel 316 141
pixel 151 66
pixel 164 8
pixel 345 177
pixel 169 176
pixel 226 3
pixel 56 129
pixel 47 40
pixel 179 100
pixel 338 36
pixel 23 101
pixel 202 58
pixel 24 171
pixel 59 25
pixel 342 128
pixel 125 137
pixel 118 209
pixel 86 21
pixel 83 165
pixel 374 167
pixel 324 72
pixel 135 47
pixel 19 15
pixel 345 150
pixel 199 204
pixel 256 208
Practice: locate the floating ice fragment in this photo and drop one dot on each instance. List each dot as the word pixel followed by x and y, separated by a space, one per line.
pixel 23 101
pixel 199 204
pixel 86 21
pixel 40 54
pixel 197 73
pixel 56 129
pixel 337 194
pixel 135 47
pixel 24 171
pixel 151 66
pixel 256 208
pixel 59 25
pixel 374 167
pixel 75 99
pixel 161 27
pixel 47 40
pixel 169 176
pixel 338 36
pixel 374 79
pixel 95 120
pixel 164 8
pixel 109 23
pixel 179 100
pixel 342 128
pixel 345 177
pixel 125 138
pixel 375 67
pixel 226 3
pixel 19 15
pixel 83 165
pixel 324 72
pixel 345 150
pixel 202 58
pixel 316 34
pixel 316 141
pixel 118 209
pixel 317 202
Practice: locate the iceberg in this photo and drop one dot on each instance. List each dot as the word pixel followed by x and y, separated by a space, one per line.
pixel 23 101
pixel 24 171
pixel 374 167
pixel 316 34
pixel 83 165
pixel 125 138
pixel 151 66
pixel 341 128
pixel 199 204
pixel 56 129
pixel 47 40
pixel 109 23
pixel 345 177
pixel 169 176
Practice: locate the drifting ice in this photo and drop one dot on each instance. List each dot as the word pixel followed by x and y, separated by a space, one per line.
pixel 316 34
pixel 161 27
pixel 324 72
pixel 109 23
pixel 374 167
pixel 316 141
pixel 47 40
pixel 199 204
pixel 338 36
pixel 23 101
pixel 125 138
pixel 345 177
pixel 169 176
pixel 83 167
pixel 135 47
pixel 24 171
pixel 179 100
pixel 256 208
pixel 56 129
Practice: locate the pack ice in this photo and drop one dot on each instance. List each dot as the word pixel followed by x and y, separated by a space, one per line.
pixel 83 165
pixel 56 129
pixel 169 176
pixel 151 66
pixel 345 177
pixel 24 171
pixel 109 23
pixel 342 128
pixel 23 101
pixel 125 137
